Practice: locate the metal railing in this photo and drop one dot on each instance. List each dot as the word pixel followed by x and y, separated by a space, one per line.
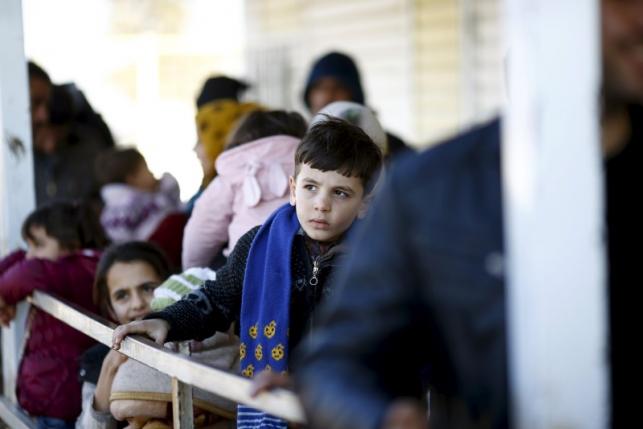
pixel 184 371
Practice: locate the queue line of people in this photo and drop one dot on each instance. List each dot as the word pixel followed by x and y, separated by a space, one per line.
pixel 360 317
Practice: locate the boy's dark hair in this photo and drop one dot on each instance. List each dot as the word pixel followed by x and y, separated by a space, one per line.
pixel 132 251
pixel 115 165
pixel 336 145
pixel 74 225
pixel 259 124
pixel 34 71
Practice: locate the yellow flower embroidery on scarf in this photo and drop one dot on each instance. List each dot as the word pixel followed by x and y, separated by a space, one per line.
pixel 278 352
pixel 249 371
pixel 269 329
pixel 253 331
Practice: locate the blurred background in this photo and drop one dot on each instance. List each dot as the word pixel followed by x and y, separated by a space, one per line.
pixel 429 67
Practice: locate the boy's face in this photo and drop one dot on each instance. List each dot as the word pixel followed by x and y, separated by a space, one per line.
pixel 327 203
pixel 43 246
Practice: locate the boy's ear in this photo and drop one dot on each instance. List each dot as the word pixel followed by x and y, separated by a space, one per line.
pixel 292 186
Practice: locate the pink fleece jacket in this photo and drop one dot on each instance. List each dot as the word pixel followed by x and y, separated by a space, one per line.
pixel 252 182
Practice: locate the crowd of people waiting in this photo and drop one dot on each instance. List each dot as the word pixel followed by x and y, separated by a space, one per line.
pixel 109 236
pixel 269 270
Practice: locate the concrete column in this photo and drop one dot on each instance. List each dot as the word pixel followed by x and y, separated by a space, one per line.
pixel 17 197
pixel 554 211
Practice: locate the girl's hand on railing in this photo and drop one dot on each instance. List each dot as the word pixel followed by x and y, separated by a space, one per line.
pixel 156 329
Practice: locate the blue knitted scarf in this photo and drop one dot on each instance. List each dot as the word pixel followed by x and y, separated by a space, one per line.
pixel 265 307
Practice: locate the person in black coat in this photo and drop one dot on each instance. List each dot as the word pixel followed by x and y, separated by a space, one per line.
pixel 423 299
pixel 424 287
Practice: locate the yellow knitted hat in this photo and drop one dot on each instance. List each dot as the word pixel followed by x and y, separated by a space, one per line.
pixel 215 120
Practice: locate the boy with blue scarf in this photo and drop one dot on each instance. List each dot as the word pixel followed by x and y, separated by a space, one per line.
pixel 278 273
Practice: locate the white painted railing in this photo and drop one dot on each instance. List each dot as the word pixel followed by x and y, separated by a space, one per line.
pixel 183 370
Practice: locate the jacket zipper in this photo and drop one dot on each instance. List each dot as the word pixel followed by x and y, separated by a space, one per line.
pixel 314 280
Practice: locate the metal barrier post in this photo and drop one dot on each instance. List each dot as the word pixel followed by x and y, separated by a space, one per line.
pixel 182 410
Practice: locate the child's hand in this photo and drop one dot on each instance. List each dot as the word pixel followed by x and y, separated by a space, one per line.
pixel 156 329
pixel 108 370
pixel 405 414
pixel 268 380
pixel 113 360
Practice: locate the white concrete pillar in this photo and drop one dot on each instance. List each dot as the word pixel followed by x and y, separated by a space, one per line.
pixel 17 197
pixel 554 215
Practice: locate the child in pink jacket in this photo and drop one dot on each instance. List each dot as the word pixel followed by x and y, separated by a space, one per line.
pixel 252 182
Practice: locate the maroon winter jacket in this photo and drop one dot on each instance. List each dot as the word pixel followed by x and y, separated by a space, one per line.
pixel 48 378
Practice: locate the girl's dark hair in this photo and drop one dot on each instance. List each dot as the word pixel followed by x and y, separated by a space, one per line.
pixel 132 251
pixel 336 145
pixel 114 165
pixel 259 124
pixel 74 225
pixel 61 106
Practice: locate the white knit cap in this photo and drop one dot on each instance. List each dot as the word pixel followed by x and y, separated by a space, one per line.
pixel 356 114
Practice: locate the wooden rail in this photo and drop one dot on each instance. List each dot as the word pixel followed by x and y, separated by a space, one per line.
pixel 280 403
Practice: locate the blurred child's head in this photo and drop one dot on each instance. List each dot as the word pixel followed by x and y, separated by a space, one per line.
pixel 336 164
pixel 125 166
pixel 57 229
pixel 126 277
pixel 259 124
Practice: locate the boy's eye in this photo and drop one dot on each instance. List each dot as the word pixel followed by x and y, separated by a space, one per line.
pixel 310 187
pixel 342 194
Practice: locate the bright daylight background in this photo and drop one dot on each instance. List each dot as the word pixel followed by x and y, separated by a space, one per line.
pixel 141 64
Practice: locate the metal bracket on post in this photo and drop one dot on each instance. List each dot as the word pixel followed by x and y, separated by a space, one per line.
pixel 182 410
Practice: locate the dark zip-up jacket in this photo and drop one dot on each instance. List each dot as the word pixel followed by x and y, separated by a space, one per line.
pixel 217 304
